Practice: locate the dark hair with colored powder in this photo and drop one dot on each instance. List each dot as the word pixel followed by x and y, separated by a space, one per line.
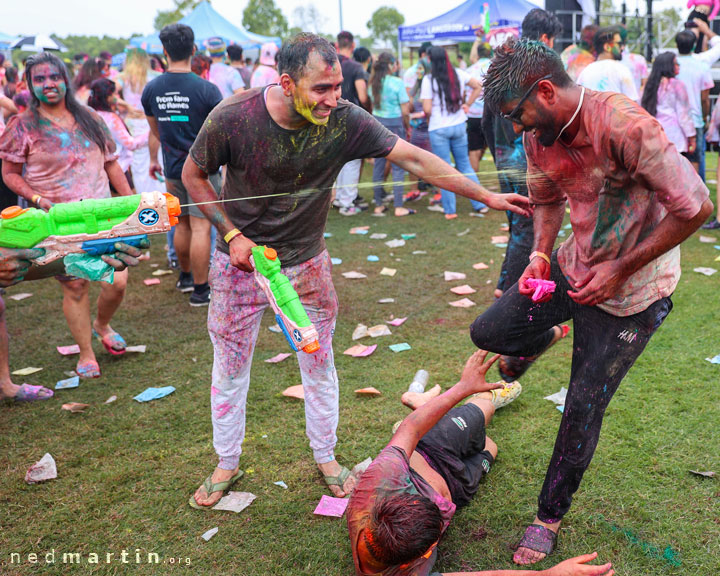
pixel 604 36
pixel 425 65
pixel 100 90
pixel 22 99
pixel 516 66
pixel 200 64
pixel 381 68
pixel 539 22
pixel 663 67
pixel 361 54
pixel 484 50
pixel 105 55
pixel 587 35
pixel 294 55
pixel 178 41
pixel 89 124
pixel 402 528
pixel 90 71
pixel 444 79
pixel 11 76
pixel 685 42
pixel 235 53
pixel 424 47
pixel 345 40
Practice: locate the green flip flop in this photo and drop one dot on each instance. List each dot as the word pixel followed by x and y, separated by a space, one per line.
pixel 217 487
pixel 338 480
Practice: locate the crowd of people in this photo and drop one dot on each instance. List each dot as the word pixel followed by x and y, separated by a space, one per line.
pixel 621 144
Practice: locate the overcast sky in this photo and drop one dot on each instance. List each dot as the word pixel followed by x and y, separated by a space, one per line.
pixel 121 18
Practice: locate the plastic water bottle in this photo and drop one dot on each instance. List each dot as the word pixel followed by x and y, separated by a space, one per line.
pixel 419 382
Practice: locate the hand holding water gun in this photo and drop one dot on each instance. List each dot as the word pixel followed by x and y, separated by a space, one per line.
pixel 289 311
pixel 90 227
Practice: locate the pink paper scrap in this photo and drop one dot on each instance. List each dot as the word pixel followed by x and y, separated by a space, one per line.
pixel 279 358
pixel 69 350
pixel 463 290
pixel 499 239
pixel 397 321
pixel 329 506
pixel 480 266
pixel 360 350
pixel 449 276
pixel 151 281
pixel 541 287
pixel 464 303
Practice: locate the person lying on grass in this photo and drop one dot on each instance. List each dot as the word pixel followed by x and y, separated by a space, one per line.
pixel 403 502
pixel 16 266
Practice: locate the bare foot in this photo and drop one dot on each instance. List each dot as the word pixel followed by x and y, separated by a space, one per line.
pixel 332 468
pixel 400 211
pixel 524 556
pixel 8 389
pixel 414 400
pixel 219 475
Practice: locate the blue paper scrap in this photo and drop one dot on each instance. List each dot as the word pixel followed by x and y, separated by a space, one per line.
pixel 400 347
pixel 717 246
pixel 407 236
pixel 327 235
pixel 714 360
pixel 373 258
pixel 501 245
pixel 561 408
pixel 154 393
pixel 336 261
pixel 73 382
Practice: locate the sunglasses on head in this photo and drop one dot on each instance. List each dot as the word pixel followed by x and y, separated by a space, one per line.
pixel 513 115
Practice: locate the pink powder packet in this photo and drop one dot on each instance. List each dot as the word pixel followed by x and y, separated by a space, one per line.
pixel 542 287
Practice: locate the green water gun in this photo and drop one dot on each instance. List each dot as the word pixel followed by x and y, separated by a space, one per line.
pixel 88 226
pixel 289 312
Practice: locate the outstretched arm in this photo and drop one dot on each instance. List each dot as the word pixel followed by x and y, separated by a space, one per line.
pixel 573 567
pixel 439 173
pixel 417 424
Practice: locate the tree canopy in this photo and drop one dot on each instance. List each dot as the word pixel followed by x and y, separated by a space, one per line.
pixel 384 22
pixel 182 8
pixel 264 17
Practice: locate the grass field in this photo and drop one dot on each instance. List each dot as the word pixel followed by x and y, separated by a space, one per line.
pixel 126 470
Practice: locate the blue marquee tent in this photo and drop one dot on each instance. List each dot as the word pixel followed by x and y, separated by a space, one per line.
pixel 206 22
pixel 460 23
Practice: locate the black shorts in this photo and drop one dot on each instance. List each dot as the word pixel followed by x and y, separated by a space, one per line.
pixel 693 156
pixel 475 134
pixel 455 448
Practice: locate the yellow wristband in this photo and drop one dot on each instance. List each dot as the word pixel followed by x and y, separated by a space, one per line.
pixel 36 199
pixel 541 255
pixel 232 234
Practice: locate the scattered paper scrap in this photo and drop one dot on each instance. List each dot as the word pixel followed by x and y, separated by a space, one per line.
pixel 360 468
pixel 360 350
pixel 396 243
pixel 336 261
pixel 464 303
pixel 44 469
pixel 278 358
pixel 359 230
pixel 450 276
pixel 360 332
pixel 561 408
pixel 714 360
pixel 707 239
pixel 379 330
pixel 154 393
pixel 275 328
pixel 400 347
pixel 235 501
pixel 75 407
pixel 354 275
pixel 370 391
pixel 717 259
pixel 138 348
pixel 110 400
pixel 567 226
pixel 418 252
pixel 388 272
pixel 499 240
pixel 327 235
pixel 69 350
pixel 501 245
pixel 281 484
pixel 408 236
pixel 505 227
pixel 706 474
pixel 464 232
pixel 72 382
pixel 542 288
pixel 209 534
pixel 26 371
pixel 329 506
pixel 296 391
pixel 21 296
pixel 151 281
pixel 378 236
pixel 463 290
pixel 373 258
pixel 559 397
pixel 705 270
pixel 154 265
pixel 162 272
pixel 70 373
pixel 386 300
pixel 397 321
pixel 480 266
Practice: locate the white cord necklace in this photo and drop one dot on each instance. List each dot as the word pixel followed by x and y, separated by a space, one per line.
pixel 577 111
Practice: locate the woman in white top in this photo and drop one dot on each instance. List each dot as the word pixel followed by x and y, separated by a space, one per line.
pixel 442 99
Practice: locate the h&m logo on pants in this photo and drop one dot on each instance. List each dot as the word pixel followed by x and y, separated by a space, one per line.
pixel 460 422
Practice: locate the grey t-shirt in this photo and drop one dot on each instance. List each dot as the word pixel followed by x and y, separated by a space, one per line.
pixel 297 166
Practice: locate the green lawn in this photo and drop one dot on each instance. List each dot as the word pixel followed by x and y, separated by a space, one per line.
pixel 126 470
